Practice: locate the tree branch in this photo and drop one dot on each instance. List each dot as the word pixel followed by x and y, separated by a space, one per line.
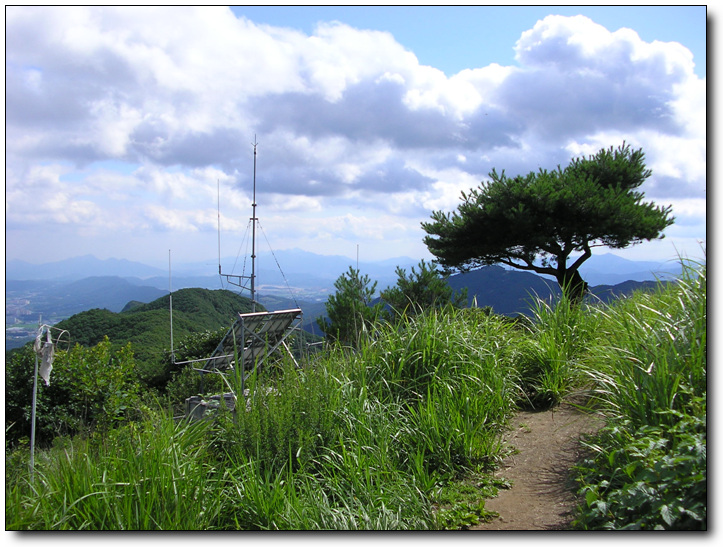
pixel 587 254
pixel 529 267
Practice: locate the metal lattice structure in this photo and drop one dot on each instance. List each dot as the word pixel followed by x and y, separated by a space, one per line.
pixel 248 344
pixel 252 339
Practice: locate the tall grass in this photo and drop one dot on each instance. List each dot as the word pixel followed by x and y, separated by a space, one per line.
pixel 451 372
pixel 147 476
pixel 548 360
pixel 653 352
pixel 648 466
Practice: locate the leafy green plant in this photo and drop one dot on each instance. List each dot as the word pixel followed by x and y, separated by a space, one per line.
pixel 651 478
pixel 90 387
pixel 464 515
pixel 461 504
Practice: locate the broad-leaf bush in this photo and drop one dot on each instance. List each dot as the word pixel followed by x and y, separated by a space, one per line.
pixel 650 478
pixel 94 387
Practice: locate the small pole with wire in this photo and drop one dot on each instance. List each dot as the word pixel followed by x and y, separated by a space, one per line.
pixel 170 305
pixel 35 399
pixel 47 349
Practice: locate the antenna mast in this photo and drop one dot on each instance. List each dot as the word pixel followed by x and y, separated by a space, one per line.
pixel 254 220
pixel 253 237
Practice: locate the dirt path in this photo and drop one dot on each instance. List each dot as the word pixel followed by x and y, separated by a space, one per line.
pixel 542 494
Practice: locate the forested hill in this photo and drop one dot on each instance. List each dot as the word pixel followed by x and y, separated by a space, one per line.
pixel 147 326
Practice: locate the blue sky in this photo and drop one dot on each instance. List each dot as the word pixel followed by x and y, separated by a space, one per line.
pixel 453 38
pixel 122 122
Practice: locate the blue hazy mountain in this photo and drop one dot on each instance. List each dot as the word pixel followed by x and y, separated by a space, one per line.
pixel 513 292
pixel 610 269
pixel 286 278
pixel 81 267
pixel 298 268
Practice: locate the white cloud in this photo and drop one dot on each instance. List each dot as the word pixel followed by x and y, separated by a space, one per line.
pixel 344 117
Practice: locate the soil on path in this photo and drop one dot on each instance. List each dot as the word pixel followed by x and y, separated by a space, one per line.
pixel 542 496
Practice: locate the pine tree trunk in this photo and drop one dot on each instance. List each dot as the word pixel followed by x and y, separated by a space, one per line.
pixel 573 286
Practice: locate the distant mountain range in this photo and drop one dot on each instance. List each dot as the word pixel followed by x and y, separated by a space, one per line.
pixel 61 289
pixel 297 268
pixel 511 292
pixel 81 267
pixel 292 268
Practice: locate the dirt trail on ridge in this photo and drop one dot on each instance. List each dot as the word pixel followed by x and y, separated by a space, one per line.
pixel 542 496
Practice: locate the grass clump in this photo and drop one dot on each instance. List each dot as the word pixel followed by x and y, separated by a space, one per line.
pixel 648 466
pixel 548 359
pixel 151 475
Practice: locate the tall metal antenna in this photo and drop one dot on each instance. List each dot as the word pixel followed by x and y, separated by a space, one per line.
pixel 218 209
pixel 231 277
pixel 253 237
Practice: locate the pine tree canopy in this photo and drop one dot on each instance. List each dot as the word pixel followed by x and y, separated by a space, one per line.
pixel 537 221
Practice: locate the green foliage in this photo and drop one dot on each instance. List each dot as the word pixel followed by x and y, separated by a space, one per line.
pixel 451 372
pixel 291 413
pixel 172 375
pixel 549 215
pixel 652 478
pixel 419 291
pixel 648 466
pixel 350 310
pixel 462 503
pixel 90 387
pixel 548 360
pixel 653 354
pixel 148 476
pixel 19 370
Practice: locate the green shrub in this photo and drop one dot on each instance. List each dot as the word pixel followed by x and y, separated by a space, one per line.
pixel 650 478
pixel 89 388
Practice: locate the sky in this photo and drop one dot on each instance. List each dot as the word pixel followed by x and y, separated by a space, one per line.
pixel 130 131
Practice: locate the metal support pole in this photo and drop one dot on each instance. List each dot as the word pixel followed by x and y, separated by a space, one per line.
pixel 243 360
pixel 253 238
pixel 35 399
pixel 170 305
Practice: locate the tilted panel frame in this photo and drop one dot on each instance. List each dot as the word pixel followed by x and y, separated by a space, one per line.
pixel 259 334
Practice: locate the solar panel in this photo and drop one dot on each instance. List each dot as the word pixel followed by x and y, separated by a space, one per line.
pixel 259 334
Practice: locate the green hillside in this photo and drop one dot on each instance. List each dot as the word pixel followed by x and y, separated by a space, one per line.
pixel 147 326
